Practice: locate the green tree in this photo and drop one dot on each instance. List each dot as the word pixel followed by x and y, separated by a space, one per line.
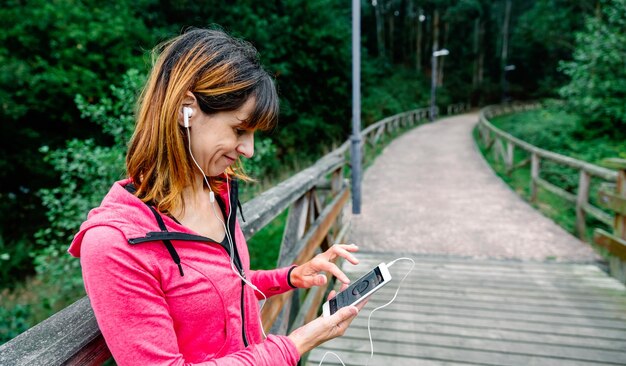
pixel 545 32
pixel 49 52
pixel 87 171
pixel 597 89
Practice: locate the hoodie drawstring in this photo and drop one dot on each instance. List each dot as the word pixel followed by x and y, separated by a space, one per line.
pixel 168 244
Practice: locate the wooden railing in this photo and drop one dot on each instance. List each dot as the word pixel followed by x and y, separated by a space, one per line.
pixel 503 147
pixel 315 198
pixel 614 198
pixel 458 108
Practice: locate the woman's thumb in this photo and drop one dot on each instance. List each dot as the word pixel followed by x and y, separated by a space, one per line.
pixel 346 313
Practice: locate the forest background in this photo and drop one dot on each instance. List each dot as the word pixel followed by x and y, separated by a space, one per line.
pixel 70 71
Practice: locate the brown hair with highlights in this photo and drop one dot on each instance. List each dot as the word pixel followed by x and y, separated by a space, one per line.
pixel 222 72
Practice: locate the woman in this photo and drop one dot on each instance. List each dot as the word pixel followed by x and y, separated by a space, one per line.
pixel 165 263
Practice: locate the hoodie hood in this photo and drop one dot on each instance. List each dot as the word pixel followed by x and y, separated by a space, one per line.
pixel 125 212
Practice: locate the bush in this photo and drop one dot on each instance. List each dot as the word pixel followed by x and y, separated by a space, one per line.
pixel 86 174
pixel 598 77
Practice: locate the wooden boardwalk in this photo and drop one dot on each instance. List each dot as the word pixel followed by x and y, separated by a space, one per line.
pixel 455 311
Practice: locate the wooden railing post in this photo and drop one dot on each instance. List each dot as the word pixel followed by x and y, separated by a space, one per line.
pixel 294 230
pixel 534 175
pixel 510 150
pixel 584 182
pixel 615 243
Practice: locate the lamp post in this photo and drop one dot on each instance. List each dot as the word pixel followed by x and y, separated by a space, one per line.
pixel 418 41
pixel 355 152
pixel 433 84
pixel 505 84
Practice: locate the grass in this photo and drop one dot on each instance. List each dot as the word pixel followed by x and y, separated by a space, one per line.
pixel 264 246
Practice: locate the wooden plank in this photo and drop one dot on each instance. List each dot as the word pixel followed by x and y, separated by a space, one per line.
pixel 487 332
pixel 93 354
pixel 318 232
pixel 596 317
pixel 582 199
pixel 352 358
pixel 401 311
pixel 619 227
pixel 614 163
pixel 56 340
pixel 510 154
pixel 612 243
pixel 265 207
pixel 493 324
pixel 534 176
pixel 612 201
pixel 567 306
pixel 497 334
pixel 598 214
pixel 275 313
pixel 521 164
pixel 557 191
pixel 605 300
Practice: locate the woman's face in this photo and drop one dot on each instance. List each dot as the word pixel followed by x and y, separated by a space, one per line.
pixel 217 140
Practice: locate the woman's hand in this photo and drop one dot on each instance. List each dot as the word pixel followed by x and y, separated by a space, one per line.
pixel 309 274
pixel 324 329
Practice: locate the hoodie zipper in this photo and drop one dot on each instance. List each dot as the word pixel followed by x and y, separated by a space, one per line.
pixel 231 227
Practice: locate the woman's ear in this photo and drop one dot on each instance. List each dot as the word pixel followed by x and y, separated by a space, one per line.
pixel 187 109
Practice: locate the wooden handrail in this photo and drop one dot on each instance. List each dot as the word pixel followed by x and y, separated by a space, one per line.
pixel 493 111
pixel 615 200
pixel 586 170
pixel 72 337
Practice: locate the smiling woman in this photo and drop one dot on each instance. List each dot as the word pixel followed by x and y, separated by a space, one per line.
pixel 165 263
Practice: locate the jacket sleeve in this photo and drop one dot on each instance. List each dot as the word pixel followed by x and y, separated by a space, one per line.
pixel 271 282
pixel 132 312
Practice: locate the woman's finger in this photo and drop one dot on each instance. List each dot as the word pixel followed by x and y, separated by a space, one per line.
pixel 332 294
pixel 345 253
pixel 332 268
pixel 341 250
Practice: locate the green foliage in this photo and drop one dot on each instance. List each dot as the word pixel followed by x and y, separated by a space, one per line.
pixel 390 90
pixel 49 52
pixel 14 321
pixel 597 89
pixel 554 129
pixel 264 246
pixel 545 32
pixel 86 173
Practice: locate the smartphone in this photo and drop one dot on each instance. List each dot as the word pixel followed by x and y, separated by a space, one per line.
pixel 358 290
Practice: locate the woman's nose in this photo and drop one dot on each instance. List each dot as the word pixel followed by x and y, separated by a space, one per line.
pixel 246 145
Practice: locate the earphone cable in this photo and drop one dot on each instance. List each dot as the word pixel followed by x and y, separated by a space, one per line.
pixel 226 232
pixel 369 318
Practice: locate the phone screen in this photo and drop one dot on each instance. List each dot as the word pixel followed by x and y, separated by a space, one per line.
pixel 356 290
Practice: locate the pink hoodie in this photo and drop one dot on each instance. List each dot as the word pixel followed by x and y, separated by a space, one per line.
pixel 151 315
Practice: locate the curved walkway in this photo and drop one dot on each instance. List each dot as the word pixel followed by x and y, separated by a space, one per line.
pixel 495 282
pixel 431 192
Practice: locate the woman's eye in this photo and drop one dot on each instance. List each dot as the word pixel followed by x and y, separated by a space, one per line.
pixel 240 131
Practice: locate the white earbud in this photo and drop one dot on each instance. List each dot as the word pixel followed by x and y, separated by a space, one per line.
pixel 186 114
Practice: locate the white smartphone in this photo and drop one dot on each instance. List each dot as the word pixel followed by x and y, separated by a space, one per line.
pixel 358 290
